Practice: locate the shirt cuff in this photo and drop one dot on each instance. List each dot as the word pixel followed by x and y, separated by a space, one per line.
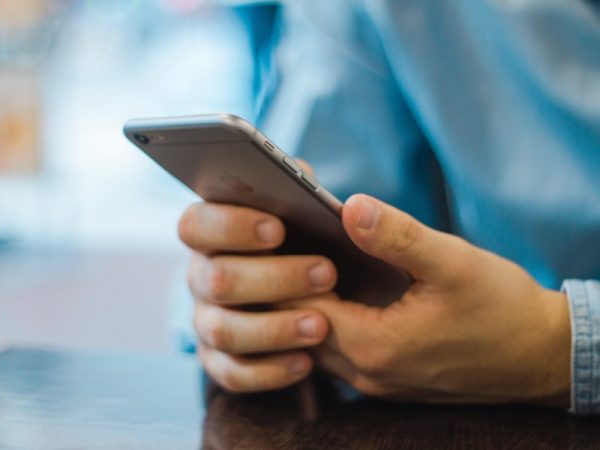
pixel 584 306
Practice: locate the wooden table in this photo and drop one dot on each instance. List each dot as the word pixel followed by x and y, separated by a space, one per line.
pixel 71 400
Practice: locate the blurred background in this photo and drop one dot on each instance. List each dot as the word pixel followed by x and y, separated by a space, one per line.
pixel 89 255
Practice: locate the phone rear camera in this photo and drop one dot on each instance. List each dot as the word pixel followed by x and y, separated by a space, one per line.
pixel 142 139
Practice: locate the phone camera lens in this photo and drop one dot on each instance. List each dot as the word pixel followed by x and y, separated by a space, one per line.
pixel 142 139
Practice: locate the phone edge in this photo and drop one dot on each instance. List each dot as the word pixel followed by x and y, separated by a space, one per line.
pixel 241 127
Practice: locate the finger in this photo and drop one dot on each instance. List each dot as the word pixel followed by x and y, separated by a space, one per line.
pixel 348 349
pixel 238 280
pixel 394 236
pixel 210 227
pixel 241 332
pixel 257 373
pixel 351 324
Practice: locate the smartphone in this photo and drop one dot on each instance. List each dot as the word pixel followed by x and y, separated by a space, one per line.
pixel 225 159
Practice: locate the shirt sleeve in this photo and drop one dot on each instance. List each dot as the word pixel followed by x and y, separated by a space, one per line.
pixel 584 304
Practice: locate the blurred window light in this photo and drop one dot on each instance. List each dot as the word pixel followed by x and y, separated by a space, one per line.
pixel 112 10
pixel 71 73
pixel 182 6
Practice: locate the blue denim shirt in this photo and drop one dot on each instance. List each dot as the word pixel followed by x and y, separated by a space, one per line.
pixel 478 118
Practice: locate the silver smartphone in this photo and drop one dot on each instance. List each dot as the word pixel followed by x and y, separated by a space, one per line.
pixel 225 159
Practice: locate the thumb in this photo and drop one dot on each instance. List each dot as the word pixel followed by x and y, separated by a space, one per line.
pixel 389 234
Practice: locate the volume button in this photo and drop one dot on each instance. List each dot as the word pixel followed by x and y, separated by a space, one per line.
pixel 310 181
pixel 291 165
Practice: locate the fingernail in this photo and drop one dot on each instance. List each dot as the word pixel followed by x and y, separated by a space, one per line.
pixel 368 215
pixel 297 366
pixel 267 231
pixel 319 275
pixel 307 327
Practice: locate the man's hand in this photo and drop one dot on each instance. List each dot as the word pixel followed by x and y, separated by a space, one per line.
pixel 473 327
pixel 231 269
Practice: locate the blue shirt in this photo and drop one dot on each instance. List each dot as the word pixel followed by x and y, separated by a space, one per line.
pixel 478 118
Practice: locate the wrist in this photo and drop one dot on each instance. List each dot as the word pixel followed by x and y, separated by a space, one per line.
pixel 556 360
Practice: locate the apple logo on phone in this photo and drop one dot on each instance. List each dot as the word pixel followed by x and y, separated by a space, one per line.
pixel 234 182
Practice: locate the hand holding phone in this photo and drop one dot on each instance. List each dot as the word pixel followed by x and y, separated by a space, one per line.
pixel 226 160
pixel 458 335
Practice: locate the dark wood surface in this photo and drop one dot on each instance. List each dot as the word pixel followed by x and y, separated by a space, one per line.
pixel 96 400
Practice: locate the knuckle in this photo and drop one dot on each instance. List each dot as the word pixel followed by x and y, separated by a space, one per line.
pixel 224 374
pixel 217 284
pixel 215 330
pixel 194 275
pixel 229 381
pixel 407 235
pixel 197 323
pixel 191 279
pixel 206 360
